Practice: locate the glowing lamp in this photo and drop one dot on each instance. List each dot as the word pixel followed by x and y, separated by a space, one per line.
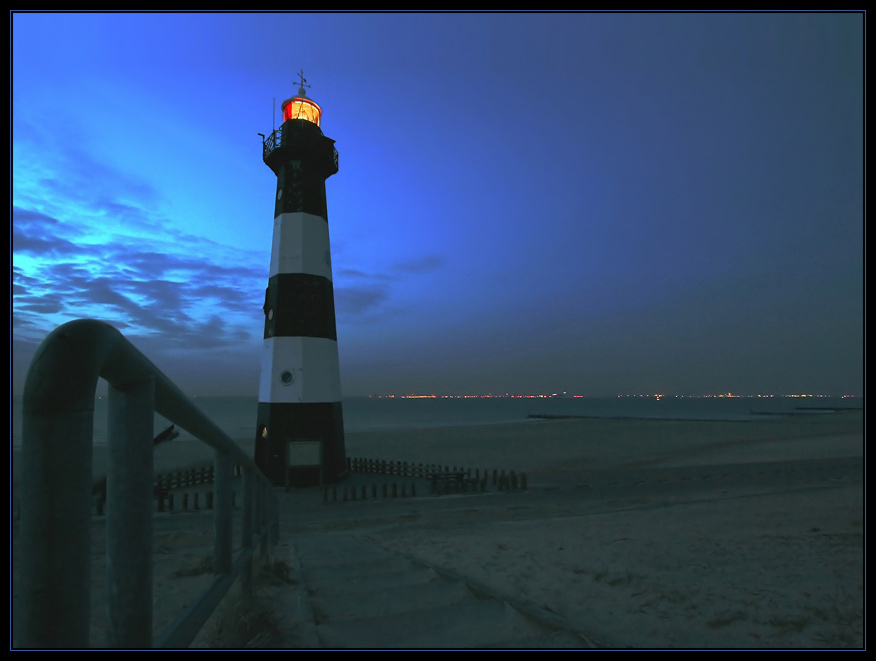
pixel 300 107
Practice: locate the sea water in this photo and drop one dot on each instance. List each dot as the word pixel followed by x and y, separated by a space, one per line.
pixel 236 415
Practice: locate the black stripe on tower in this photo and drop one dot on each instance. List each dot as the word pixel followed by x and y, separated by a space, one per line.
pixel 295 192
pixel 300 305
pixel 311 422
pixel 302 160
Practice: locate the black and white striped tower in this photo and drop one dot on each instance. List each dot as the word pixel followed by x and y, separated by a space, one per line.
pixel 300 426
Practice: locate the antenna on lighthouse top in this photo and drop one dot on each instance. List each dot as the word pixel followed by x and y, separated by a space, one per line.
pixel 302 83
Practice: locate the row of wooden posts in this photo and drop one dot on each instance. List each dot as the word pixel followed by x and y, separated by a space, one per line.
pixel 167 486
pixel 188 478
pixel 399 468
pixel 438 487
pixel 348 492
pixel 170 502
pixel 443 480
pixel 500 479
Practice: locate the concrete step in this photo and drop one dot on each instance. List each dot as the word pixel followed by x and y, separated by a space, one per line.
pixel 548 640
pixel 334 581
pixel 388 600
pixel 338 554
pixel 365 597
pixel 468 624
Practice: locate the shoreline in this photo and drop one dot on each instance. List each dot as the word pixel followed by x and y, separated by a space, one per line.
pixel 570 436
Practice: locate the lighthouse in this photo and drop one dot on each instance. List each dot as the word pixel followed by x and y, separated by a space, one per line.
pixel 300 425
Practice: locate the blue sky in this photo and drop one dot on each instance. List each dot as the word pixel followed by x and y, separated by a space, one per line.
pixel 596 203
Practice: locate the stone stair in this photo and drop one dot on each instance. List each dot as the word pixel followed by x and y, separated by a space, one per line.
pixel 363 596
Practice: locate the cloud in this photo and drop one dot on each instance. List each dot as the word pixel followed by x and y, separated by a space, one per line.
pixel 40 304
pixel 36 233
pixel 373 290
pixel 358 273
pixel 162 285
pixel 425 264
pixel 360 300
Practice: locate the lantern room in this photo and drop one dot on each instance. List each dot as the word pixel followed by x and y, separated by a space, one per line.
pixel 300 107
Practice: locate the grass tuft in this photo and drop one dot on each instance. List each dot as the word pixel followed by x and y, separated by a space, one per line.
pixel 725 619
pixel 789 625
pixel 202 566
pixel 275 572
pixel 247 619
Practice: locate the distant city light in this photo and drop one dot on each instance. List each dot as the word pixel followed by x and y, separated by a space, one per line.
pixel 564 395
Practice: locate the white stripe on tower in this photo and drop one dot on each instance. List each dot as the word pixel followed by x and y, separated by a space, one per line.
pixel 295 368
pixel 300 245
pixel 300 369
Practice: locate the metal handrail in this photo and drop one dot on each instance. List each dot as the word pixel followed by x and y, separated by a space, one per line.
pixel 271 142
pixel 275 140
pixel 55 528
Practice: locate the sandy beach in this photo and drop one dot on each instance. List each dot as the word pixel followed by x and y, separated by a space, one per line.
pixel 631 533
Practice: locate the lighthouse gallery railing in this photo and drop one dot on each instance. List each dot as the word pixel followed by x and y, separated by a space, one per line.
pixel 55 528
pixel 270 143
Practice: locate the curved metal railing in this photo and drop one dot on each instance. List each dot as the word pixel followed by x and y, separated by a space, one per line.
pixel 275 140
pixel 270 143
pixel 55 528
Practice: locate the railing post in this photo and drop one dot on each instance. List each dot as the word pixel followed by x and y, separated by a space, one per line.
pixel 274 530
pixel 55 555
pixel 248 507
pixel 130 419
pixel 256 507
pixel 246 527
pixel 223 513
